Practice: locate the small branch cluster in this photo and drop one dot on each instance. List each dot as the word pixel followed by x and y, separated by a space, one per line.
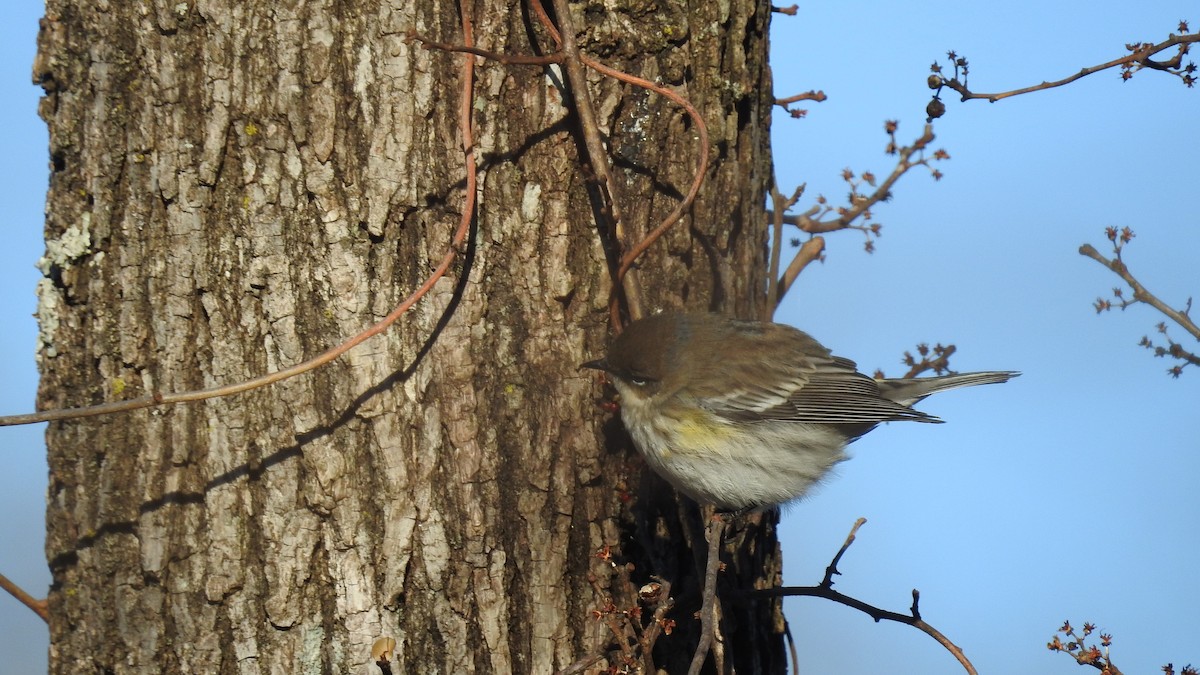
pixel 1172 349
pixel 1139 294
pixel 817 219
pixel 935 359
pixel 1075 644
pixel 1140 56
pixel 633 637
pixel 866 190
pixel 1140 53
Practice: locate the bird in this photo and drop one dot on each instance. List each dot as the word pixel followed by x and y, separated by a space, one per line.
pixel 748 415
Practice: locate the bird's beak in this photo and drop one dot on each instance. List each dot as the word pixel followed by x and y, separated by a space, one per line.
pixel 598 364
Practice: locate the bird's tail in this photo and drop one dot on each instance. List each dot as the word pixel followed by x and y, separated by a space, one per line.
pixel 909 391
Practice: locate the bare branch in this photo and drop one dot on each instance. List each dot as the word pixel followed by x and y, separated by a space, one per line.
pixel 1140 294
pixel 811 95
pixel 1138 58
pixel 814 221
pixel 39 607
pixel 708 609
pixel 779 206
pixel 572 54
pixel 913 618
pixel 831 569
pixel 809 251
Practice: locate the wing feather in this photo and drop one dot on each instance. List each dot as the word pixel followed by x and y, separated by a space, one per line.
pixel 809 385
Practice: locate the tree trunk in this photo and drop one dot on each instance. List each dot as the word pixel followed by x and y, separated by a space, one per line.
pixel 238 185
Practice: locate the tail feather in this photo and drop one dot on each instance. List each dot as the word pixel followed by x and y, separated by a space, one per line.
pixel 910 391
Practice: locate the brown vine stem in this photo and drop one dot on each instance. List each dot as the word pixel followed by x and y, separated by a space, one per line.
pixel 633 253
pixel 564 35
pixel 1141 56
pixel 333 353
pixel 913 618
pixel 563 57
pixel 701 161
pixel 506 59
pixel 39 607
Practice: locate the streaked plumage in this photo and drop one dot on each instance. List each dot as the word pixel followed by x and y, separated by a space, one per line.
pixel 747 414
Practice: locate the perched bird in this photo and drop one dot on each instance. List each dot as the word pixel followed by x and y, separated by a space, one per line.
pixel 748 415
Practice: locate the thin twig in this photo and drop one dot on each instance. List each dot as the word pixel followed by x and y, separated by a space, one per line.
pixel 1140 57
pixel 571 52
pixel 39 607
pixel 1120 238
pixel 791 643
pixel 809 251
pixel 785 103
pixel 507 59
pixel 811 95
pixel 660 596
pixel 779 206
pixel 777 209
pixel 831 569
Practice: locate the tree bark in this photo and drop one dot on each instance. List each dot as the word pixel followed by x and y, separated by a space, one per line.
pixel 238 185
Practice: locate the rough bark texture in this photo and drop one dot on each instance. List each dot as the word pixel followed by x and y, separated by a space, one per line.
pixel 238 185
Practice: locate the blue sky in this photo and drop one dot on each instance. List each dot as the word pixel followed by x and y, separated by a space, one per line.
pixel 1069 493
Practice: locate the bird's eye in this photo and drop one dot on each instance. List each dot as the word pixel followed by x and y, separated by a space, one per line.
pixel 638 381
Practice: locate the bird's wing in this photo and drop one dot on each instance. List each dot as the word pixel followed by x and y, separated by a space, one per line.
pixel 842 395
pixel 807 384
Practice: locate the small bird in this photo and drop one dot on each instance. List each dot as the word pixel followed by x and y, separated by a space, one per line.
pixel 748 415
